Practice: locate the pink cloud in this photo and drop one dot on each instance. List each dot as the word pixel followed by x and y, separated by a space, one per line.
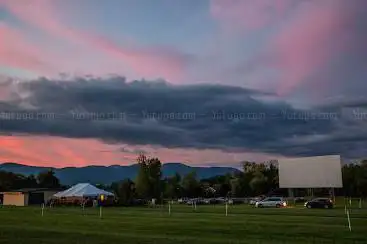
pixel 150 62
pixel 67 152
pixel 155 62
pixel 309 42
pixel 55 151
pixel 15 52
pixel 248 14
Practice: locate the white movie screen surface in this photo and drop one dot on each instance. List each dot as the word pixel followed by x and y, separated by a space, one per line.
pixel 311 172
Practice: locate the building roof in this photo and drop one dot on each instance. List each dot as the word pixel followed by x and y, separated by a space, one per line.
pixel 83 190
pixel 28 190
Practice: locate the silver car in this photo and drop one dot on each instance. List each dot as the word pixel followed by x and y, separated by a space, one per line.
pixel 253 201
pixel 271 202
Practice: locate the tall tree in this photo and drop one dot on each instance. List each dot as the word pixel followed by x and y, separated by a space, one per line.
pixel 148 180
pixel 125 192
pixel 236 188
pixel 172 187
pixel 258 183
pixel 47 179
pixel 31 181
pixel 142 179
pixel 191 185
pixel 154 175
pixel 8 180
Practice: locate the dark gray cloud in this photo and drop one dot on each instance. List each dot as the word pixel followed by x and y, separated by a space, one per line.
pixel 191 116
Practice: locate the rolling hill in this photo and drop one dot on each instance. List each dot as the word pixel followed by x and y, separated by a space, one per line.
pixel 109 174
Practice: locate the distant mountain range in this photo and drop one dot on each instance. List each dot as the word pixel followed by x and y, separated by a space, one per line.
pixel 109 174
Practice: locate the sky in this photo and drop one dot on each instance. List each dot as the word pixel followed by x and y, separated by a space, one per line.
pixel 208 82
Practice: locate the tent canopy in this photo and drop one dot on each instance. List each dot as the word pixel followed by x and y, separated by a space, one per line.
pixel 83 190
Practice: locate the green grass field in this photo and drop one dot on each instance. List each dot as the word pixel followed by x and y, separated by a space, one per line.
pixel 244 224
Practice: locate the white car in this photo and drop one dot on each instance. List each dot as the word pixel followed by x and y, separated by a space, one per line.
pixel 253 201
pixel 274 202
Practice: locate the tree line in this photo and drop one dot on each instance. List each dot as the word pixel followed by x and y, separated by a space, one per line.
pixel 11 181
pixel 255 179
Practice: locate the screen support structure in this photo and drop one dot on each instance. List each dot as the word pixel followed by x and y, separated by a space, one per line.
pixel 290 193
pixel 310 192
pixel 332 193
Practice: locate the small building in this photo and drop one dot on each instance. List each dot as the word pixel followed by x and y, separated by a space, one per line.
pixel 28 196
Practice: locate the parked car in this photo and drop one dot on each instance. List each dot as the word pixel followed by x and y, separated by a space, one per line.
pixel 183 200
pixel 196 201
pixel 256 199
pixel 253 201
pixel 277 202
pixel 220 200
pixel 299 200
pixel 191 201
pixel 320 203
pixel 236 201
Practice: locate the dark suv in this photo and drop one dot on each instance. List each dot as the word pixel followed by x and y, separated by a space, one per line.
pixel 319 203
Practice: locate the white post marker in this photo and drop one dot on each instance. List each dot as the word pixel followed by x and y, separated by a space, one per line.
pixel 349 224
pixel 226 208
pixel 43 207
pixel 345 209
pixel 195 205
pixel 360 203
pixel 169 208
pixel 350 201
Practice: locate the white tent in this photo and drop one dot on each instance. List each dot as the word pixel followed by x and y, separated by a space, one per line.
pixel 83 190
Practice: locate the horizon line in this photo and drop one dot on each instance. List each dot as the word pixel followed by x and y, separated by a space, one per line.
pixel 119 165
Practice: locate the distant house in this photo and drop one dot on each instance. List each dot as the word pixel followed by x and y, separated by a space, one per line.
pixel 27 196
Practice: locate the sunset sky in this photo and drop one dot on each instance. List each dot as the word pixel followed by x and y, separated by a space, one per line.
pixel 203 82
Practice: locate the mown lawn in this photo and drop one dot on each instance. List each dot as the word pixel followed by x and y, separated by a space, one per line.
pixel 208 224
